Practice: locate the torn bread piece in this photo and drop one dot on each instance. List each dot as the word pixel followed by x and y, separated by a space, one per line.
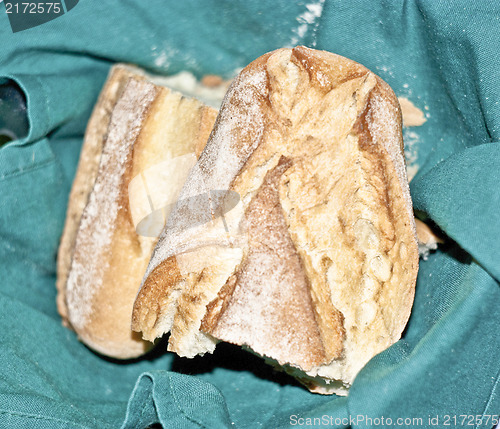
pixel 428 240
pixel 138 128
pixel 315 267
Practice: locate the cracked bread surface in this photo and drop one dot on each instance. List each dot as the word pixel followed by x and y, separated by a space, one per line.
pixel 317 264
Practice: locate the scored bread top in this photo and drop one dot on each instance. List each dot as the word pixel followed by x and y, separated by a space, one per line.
pixel 316 266
pixel 141 126
pixel 86 174
pixel 104 224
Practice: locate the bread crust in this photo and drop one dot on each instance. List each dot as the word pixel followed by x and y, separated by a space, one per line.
pixel 136 126
pixel 86 174
pixel 333 131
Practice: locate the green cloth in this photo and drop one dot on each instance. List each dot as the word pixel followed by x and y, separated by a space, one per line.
pixel 444 56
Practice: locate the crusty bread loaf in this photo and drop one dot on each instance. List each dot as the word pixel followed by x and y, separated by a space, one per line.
pixel 86 174
pixel 137 126
pixel 315 267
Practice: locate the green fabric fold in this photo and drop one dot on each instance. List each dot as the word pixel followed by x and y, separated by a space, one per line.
pixel 462 195
pixel 443 57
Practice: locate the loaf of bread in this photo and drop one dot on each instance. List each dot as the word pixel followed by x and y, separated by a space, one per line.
pixel 140 143
pixel 314 267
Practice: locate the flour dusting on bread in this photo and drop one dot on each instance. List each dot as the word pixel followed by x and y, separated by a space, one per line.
pixel 110 234
pixel 312 143
pixel 100 214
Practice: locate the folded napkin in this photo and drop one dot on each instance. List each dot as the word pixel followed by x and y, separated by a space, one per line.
pixel 443 56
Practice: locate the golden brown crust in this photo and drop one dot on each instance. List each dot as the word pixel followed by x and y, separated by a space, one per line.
pixel 164 275
pixel 104 262
pixel 428 239
pixel 208 117
pixel 95 136
pixel 426 236
pixel 212 80
pixel 289 307
pixel 149 128
pixel 342 194
pixel 412 115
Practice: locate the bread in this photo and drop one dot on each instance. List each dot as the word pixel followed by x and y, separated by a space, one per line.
pixel 428 240
pixel 137 127
pixel 315 267
pixel 86 174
